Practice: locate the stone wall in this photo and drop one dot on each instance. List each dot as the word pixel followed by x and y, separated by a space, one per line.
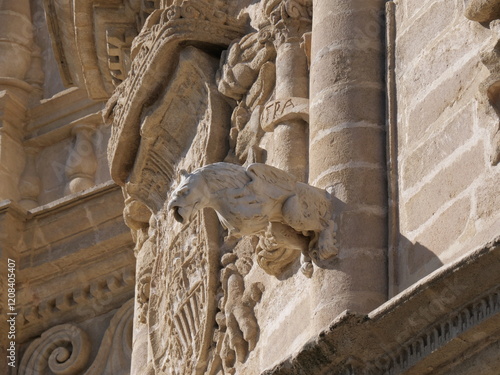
pixel 448 188
pixel 290 194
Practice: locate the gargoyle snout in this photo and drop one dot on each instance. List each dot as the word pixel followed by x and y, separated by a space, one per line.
pixel 172 205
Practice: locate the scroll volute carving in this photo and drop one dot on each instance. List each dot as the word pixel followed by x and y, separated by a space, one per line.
pixel 66 349
pixel 62 350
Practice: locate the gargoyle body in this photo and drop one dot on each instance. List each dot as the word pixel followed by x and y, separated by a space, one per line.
pixel 248 201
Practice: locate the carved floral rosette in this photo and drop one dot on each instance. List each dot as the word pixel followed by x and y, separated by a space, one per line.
pixel 182 300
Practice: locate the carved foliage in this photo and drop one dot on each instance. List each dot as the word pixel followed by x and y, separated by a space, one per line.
pixel 214 11
pixel 291 18
pixel 238 329
pixel 247 75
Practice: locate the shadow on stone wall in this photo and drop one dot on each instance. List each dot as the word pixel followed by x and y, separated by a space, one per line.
pixel 413 261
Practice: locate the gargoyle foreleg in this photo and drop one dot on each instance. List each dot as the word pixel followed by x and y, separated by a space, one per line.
pixel 306 264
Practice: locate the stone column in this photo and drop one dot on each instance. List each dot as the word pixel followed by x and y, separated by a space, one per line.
pixel 347 150
pixel 292 83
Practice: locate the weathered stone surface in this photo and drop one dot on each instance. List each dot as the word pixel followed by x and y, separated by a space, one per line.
pixel 282 169
pixel 483 10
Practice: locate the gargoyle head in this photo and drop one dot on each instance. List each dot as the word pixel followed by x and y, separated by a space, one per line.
pixel 188 197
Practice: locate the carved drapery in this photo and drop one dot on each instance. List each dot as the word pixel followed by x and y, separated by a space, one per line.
pixel 162 37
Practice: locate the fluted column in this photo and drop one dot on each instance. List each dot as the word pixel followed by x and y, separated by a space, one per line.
pixel 347 149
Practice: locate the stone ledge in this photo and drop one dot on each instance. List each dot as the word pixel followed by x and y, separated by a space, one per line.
pixel 77 302
pixel 73 199
pixel 421 331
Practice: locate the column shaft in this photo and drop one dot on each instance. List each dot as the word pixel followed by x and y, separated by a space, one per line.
pixel 290 137
pixel 347 148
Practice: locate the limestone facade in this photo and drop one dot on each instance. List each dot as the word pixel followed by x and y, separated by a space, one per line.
pixel 249 187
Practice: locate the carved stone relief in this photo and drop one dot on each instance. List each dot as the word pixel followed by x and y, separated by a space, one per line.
pixel 169 114
pixel 61 349
pixel 66 349
pixel 247 75
pixel 257 200
pixel 183 125
pixel 238 330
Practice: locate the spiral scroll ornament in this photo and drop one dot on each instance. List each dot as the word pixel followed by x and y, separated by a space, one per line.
pixel 62 350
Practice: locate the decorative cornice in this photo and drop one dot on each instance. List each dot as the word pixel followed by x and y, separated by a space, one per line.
pixel 80 303
pixel 439 335
pixel 72 200
pixel 415 330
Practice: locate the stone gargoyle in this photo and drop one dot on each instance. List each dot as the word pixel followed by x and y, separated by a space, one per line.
pixel 248 202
